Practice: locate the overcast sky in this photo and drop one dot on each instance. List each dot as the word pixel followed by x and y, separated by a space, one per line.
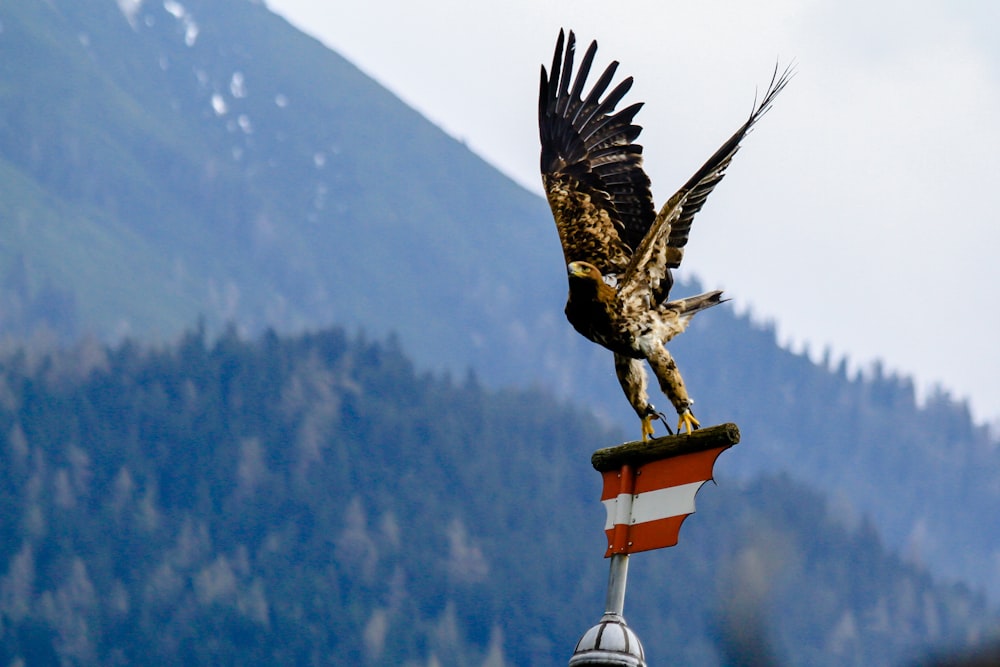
pixel 861 214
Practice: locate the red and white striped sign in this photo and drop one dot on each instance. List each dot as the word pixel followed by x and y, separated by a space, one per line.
pixel 647 504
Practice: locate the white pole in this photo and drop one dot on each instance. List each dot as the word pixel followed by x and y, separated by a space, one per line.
pixel 615 603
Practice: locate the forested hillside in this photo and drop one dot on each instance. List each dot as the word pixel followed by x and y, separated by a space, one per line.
pixel 317 500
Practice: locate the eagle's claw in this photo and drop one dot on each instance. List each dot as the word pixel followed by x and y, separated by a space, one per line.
pixel 647 422
pixel 687 420
pixel 647 426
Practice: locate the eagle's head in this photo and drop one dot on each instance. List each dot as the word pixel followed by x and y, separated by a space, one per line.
pixel 586 281
pixel 584 270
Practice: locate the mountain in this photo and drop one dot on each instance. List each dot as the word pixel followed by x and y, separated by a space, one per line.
pixel 165 162
pixel 318 500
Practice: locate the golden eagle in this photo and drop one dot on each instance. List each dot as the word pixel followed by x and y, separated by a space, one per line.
pixel 618 250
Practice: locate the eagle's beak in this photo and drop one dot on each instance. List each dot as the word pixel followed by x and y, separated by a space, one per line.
pixel 577 269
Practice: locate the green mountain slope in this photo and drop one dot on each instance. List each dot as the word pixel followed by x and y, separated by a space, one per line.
pixel 209 160
pixel 316 500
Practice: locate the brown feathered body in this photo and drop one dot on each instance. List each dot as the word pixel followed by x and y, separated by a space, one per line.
pixel 619 251
pixel 598 313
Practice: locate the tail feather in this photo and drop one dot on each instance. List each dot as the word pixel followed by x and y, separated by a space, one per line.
pixel 686 308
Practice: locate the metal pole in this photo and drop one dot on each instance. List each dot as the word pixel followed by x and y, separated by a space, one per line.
pixel 615 603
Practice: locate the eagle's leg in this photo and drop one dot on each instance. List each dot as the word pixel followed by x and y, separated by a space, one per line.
pixel 672 386
pixel 632 377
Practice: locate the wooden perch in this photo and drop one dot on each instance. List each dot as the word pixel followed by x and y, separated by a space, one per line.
pixel 637 452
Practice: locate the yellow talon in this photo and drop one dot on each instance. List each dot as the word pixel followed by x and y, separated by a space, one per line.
pixel 647 427
pixel 687 420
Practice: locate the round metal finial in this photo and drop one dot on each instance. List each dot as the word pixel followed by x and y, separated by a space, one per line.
pixel 610 642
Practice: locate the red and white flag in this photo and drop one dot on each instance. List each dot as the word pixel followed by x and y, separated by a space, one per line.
pixel 647 504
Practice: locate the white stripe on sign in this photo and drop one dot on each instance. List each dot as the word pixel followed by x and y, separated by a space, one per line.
pixel 654 505
pixel 664 503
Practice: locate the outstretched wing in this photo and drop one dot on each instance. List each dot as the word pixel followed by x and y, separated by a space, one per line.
pixel 704 181
pixel 591 167
pixel 663 247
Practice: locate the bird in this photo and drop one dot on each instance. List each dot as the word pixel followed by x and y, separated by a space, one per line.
pixel 619 251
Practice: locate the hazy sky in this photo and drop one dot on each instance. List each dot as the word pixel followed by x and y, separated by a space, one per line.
pixel 861 214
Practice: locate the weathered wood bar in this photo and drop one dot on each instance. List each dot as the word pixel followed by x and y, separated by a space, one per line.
pixel 637 452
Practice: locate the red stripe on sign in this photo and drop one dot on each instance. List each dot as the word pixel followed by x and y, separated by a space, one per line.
pixel 650 535
pixel 611 484
pixel 655 534
pixel 684 469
